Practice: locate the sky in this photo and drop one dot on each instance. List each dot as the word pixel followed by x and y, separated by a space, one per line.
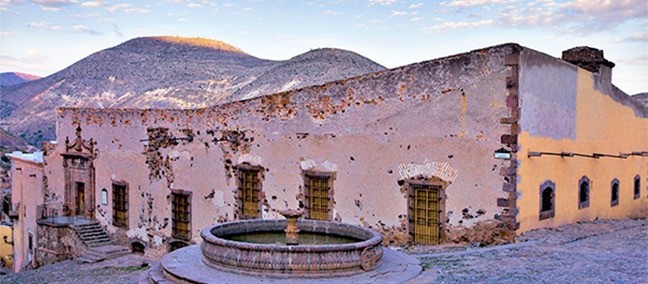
pixel 42 37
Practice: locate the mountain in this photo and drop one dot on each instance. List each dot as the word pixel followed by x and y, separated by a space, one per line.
pixel 13 78
pixel 167 72
pixel 10 143
pixel 641 98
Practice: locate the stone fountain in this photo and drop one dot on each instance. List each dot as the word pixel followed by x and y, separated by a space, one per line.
pixel 287 248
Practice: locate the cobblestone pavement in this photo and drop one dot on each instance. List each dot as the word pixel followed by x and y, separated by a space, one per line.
pixel 588 252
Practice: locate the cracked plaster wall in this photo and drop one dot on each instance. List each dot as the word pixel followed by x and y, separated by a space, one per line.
pixel 446 110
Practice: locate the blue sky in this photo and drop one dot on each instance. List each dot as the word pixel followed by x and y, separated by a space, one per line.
pixel 44 36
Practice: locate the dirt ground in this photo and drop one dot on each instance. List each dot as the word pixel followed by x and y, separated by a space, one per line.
pixel 589 252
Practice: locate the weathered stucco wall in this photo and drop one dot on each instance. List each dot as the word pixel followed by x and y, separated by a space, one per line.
pixel 568 109
pixel 446 110
pixel 27 184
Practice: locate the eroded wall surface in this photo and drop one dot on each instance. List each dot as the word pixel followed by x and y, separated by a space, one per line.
pixel 568 109
pixel 26 197
pixel 362 129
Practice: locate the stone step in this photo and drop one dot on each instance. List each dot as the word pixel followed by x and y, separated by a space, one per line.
pixel 102 252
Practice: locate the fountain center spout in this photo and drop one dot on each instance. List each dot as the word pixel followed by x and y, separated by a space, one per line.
pixel 292 230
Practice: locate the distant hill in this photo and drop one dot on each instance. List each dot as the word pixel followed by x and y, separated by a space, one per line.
pixel 167 72
pixel 642 98
pixel 10 143
pixel 13 78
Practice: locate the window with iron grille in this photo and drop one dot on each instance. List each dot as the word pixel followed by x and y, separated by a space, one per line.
pixel 181 215
pixel 547 200
pixel 583 192
pixel 614 193
pixel 249 191
pixel 318 196
pixel 120 204
pixel 637 187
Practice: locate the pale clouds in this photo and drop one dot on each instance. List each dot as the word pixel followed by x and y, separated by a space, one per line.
pixel 638 36
pixel 443 27
pixel 414 6
pixel 88 4
pixel 472 3
pixel 6 33
pixel 127 8
pixel 34 60
pixel 606 10
pixel 398 14
pixel 85 30
pixel 5 3
pixel 332 13
pixel 53 5
pixel 45 25
pixel 381 2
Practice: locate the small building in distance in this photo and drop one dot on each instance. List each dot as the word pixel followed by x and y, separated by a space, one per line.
pixel 474 147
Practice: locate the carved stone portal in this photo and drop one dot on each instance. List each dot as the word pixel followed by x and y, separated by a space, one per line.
pixel 78 164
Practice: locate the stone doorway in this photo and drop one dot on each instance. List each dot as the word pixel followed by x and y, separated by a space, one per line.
pixel 425 211
pixel 79 174
pixel 80 199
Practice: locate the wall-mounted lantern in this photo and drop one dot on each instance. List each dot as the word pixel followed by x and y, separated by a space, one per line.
pixel 502 154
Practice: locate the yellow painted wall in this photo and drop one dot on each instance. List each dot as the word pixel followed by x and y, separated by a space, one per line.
pixel 6 250
pixel 602 126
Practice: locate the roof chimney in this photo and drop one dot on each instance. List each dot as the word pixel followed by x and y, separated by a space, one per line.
pixel 590 59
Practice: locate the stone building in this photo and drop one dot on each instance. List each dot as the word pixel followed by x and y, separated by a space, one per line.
pixel 473 147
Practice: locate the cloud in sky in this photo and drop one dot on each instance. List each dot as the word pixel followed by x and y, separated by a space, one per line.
pixel 45 25
pixel 84 29
pixel 33 59
pixel 398 14
pixel 332 13
pixel 473 3
pixel 53 5
pixel 414 6
pixel 381 2
pixel 91 4
pixel 446 26
pixel 127 8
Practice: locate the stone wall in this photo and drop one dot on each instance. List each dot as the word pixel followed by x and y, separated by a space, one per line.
pixel 57 243
pixel 362 129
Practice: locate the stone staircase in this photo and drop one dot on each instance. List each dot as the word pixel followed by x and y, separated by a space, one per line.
pixel 96 254
pixel 92 234
pixel 100 246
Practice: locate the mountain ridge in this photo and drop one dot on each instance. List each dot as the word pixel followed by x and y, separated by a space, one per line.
pixel 167 72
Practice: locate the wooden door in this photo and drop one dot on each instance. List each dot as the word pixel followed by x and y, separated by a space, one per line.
pixel 424 213
pixel 80 199
pixel 318 198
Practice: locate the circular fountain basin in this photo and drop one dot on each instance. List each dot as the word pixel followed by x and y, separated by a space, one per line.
pixel 326 249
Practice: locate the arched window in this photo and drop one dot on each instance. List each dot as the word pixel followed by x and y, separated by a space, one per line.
pixel 583 192
pixel 547 200
pixel 637 187
pixel 614 195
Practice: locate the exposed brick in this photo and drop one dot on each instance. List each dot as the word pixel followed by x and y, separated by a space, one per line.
pixel 512 59
pixel 509 139
pixel 508 120
pixel 515 129
pixel 508 171
pixel 509 187
pixel 511 82
pixel 513 92
pixel 502 202
pixel 506 218
pixel 512 101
